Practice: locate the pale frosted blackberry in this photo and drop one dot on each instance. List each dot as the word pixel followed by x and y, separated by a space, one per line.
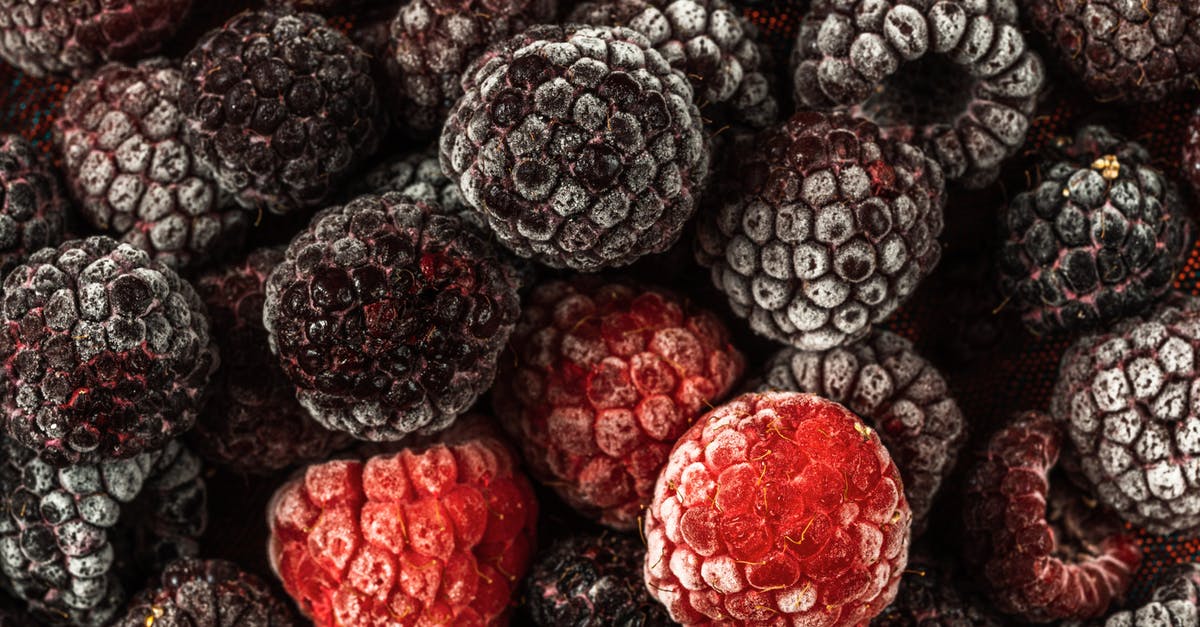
pixel 388 316
pixel 32 204
pixel 709 41
pixel 105 352
pixel 1172 604
pixel 581 145
pixel 1097 240
pixel 1128 400
pixel 823 229
pixel 207 593
pixel 954 78
pixel 419 177
pixel 42 37
pixel 432 42
pixel 69 536
pixel 120 135
pixel 895 391
pixel 280 106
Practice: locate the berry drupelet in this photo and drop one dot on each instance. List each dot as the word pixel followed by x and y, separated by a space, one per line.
pixel 33 207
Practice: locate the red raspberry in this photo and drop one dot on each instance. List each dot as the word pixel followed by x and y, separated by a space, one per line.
pixel 1041 559
pixel 777 509
pixel 437 534
pixel 600 380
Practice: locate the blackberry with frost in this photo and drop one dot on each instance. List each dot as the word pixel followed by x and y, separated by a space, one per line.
pixel 432 42
pixel 600 379
pixel 121 137
pixel 931 595
pixel 1099 239
pixel 890 59
pixel 709 41
pixel 105 352
pixel 824 229
pixel 33 208
pixel 1043 555
pixel 388 316
pixel 65 533
pixel 42 37
pixel 280 107
pixel 1189 162
pixel 1175 602
pixel 592 579
pixel 895 391
pixel 1123 51
pixel 206 593
pixel 419 177
pixel 1128 400
pixel 253 422
pixel 581 146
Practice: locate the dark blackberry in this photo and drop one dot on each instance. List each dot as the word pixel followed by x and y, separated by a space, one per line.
pixel 207 593
pixel 388 316
pixel 1097 240
pixel 931 596
pixel 105 352
pixel 321 6
pixel 954 78
pixel 1175 602
pixel 581 146
pixel 592 580
pixel 254 422
pixel 120 135
pixel 41 37
pixel 64 532
pixel 33 207
pixel 280 106
pixel 823 230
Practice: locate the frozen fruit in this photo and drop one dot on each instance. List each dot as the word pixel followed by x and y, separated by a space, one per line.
pixel 895 391
pixel 121 137
pixel 206 593
pixel 600 378
pixel 822 229
pixel 581 145
pixel 1041 555
pixel 440 533
pixel 1127 399
pixel 1172 604
pixel 419 177
pixel 1097 240
pixel 105 352
pixel 932 595
pixel 280 106
pixel 777 509
pixel 388 316
pixel 955 78
pixel 33 206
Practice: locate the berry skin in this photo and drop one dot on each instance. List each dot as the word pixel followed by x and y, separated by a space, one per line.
pixel 777 509
pixel 1123 51
pixel 65 532
pixel 207 593
pixel 600 380
pixel 432 42
pixel 106 353
pixel 1122 397
pixel 929 596
pixel 1098 240
pixel 1020 532
pixel 1175 602
pixel 954 78
pixel 895 391
pixel 437 534
pixel 280 106
pixel 592 580
pixel 823 229
pixel 42 37
pixel 120 134
pixel 33 207
pixel 581 145
pixel 253 423
pixel 388 316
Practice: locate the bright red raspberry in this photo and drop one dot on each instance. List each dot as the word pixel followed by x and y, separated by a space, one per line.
pixel 600 380
pixel 440 533
pixel 1043 557
pixel 777 509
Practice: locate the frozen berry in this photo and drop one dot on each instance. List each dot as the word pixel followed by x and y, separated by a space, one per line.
pixel 1175 602
pixel 417 176
pixel 931 595
pixel 777 509
pixel 206 593
pixel 33 207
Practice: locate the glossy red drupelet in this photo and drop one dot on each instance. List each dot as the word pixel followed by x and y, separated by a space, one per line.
pixel 599 381
pixel 777 509
pixel 440 533
pixel 1019 532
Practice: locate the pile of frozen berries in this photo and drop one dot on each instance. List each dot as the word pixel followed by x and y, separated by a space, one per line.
pixel 403 313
